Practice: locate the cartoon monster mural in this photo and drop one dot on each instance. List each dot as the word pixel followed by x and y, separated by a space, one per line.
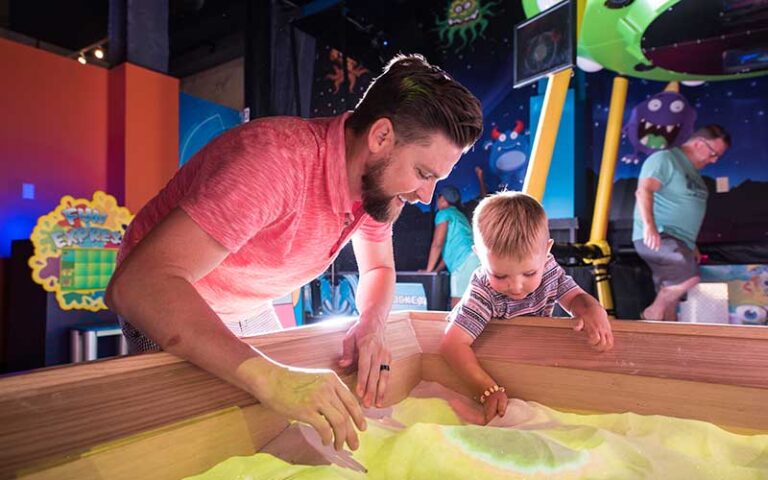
pixel 464 17
pixel 748 295
pixel 663 121
pixel 509 156
pixel 758 280
pixel 354 71
pixel 747 291
pixel 749 315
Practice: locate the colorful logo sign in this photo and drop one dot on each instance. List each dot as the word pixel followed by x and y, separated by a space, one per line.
pixel 409 296
pixel 76 247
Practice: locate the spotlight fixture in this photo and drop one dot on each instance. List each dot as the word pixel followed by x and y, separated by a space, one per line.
pixel 82 59
pixel 98 53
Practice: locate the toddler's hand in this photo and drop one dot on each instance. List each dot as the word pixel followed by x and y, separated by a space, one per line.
pixel 598 330
pixel 496 404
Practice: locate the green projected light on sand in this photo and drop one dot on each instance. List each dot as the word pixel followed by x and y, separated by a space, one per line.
pixel 515 450
pixel 433 434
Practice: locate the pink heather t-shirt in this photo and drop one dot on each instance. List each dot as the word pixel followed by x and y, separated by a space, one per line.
pixel 274 193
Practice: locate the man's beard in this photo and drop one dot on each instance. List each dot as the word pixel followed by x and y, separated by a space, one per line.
pixel 376 202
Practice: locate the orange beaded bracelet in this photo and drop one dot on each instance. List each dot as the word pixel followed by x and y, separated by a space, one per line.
pixel 490 391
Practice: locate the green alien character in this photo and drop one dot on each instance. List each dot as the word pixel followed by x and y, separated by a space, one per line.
pixel 468 19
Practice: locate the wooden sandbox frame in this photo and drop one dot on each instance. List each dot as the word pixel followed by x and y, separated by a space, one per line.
pixel 156 416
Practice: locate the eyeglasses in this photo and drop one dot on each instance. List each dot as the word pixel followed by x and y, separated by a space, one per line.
pixel 712 152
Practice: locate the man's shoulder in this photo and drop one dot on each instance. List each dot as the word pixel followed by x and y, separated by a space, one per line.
pixel 662 156
pixel 663 162
pixel 285 130
pixel 289 141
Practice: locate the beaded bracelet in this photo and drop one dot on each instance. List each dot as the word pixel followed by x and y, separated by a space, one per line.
pixel 490 392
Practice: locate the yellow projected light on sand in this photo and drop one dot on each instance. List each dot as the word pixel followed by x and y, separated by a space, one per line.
pixel 434 434
pixel 697 396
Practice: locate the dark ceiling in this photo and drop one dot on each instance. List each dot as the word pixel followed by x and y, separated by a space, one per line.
pixel 205 33
pixel 195 26
pixel 70 24
pixel 373 32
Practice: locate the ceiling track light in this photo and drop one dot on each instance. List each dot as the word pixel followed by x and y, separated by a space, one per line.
pixel 95 53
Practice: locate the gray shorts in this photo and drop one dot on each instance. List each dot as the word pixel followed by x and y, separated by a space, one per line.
pixel 263 322
pixel 673 263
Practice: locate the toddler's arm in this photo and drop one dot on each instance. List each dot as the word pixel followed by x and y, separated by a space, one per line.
pixel 590 316
pixel 456 348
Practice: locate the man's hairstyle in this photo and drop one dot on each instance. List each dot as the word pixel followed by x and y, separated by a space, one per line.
pixel 419 99
pixel 713 132
pixel 510 224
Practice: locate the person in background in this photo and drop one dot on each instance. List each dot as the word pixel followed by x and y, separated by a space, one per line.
pixel 670 207
pixel 452 243
pixel 519 276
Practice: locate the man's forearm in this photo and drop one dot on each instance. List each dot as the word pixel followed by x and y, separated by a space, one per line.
pixel 169 310
pixel 645 204
pixel 375 293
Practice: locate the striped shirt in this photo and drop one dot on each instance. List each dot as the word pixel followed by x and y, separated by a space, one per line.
pixel 481 303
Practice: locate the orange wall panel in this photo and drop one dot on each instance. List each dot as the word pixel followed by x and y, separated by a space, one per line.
pixel 53 134
pixel 151 133
pixel 72 129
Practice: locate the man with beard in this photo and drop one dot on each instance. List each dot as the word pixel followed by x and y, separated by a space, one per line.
pixel 264 209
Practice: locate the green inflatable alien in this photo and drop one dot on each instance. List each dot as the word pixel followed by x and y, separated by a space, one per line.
pixel 685 40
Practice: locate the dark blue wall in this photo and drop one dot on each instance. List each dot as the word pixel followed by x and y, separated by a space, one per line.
pixel 485 67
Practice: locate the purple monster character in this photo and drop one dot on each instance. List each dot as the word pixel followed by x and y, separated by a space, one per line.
pixel 663 121
pixel 509 150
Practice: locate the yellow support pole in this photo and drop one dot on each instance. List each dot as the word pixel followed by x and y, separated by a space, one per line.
pixel 549 123
pixel 546 134
pixel 608 162
pixel 581 5
pixel 598 233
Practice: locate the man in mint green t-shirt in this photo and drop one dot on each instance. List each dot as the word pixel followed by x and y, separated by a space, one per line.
pixel 671 203
pixel 452 240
